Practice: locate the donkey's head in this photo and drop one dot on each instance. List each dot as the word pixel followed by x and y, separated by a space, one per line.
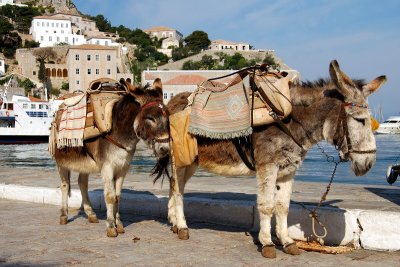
pixel 151 124
pixel 355 138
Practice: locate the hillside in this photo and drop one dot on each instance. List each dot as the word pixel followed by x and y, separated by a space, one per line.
pixel 258 55
pixel 60 6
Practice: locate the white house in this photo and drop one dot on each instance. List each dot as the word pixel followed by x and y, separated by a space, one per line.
pixel 223 44
pixel 49 31
pixel 2 67
pixel 102 40
pixel 9 2
pixel 163 32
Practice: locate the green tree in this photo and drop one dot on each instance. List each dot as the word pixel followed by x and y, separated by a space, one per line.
pixel 197 41
pixel 27 85
pixel 5 26
pixel 31 44
pixel 65 86
pixel 102 23
pixel 270 61
pixel 42 71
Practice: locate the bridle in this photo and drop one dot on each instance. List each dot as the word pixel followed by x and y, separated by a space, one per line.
pixel 153 138
pixel 341 138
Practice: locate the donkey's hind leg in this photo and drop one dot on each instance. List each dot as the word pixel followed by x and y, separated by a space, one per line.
pixel 119 180
pixel 65 192
pixel 110 199
pixel 83 179
pixel 282 201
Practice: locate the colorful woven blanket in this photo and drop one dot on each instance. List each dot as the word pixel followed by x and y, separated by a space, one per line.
pixel 221 111
pixel 72 124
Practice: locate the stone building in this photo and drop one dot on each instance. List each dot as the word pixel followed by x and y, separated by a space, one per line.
pixel 90 62
pixel 164 32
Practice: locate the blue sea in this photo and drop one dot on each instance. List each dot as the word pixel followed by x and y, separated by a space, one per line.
pixel 314 169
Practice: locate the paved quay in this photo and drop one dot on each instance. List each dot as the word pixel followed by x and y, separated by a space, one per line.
pixel 365 216
pixel 31 236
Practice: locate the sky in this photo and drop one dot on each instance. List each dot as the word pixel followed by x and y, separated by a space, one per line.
pixel 362 35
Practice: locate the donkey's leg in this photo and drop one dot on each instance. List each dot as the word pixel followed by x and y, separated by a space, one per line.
pixel 65 191
pixel 175 206
pixel 83 180
pixel 266 181
pixel 110 199
pixel 119 180
pixel 282 202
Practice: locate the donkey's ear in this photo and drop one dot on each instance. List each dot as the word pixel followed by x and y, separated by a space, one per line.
pixel 341 80
pixel 373 85
pixel 157 86
pixel 135 91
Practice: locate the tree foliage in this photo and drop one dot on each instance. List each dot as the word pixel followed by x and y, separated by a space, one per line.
pixel 221 61
pixel 197 41
pixel 21 17
pixel 102 23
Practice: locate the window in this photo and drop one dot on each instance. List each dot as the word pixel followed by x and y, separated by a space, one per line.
pixel 42 24
pixel 58 38
pixel 97 71
pixel 97 42
pixel 77 81
pixel 108 71
pixel 171 95
pixel 25 106
pixel 171 34
pixel 52 24
pixel 89 71
pixel 77 71
pixel 106 42
pixel 33 106
pixel 48 24
pixel 97 57
pixel 76 57
pixel 33 72
pixel 50 38
pixel 62 25
pixel 66 39
pixel 38 23
pixel 165 95
pixel 88 57
pixel 41 38
pixel 108 57
pixel 62 31
pixel 56 25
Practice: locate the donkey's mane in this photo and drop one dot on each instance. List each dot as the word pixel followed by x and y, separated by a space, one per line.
pixel 322 82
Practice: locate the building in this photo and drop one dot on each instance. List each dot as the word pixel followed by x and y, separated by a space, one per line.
pixel 80 25
pixel 10 2
pixel 50 31
pixel 223 45
pixel 89 62
pixel 177 81
pixel 2 67
pixel 102 40
pixel 160 32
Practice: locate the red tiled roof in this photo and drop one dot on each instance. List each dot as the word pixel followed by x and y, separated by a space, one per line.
pixel 35 99
pixel 149 76
pixel 51 18
pixel 159 28
pixel 92 47
pixel 190 79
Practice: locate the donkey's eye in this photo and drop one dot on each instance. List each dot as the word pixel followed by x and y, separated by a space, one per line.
pixel 151 119
pixel 360 120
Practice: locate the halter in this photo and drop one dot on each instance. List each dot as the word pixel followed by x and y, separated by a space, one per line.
pixel 161 106
pixel 343 128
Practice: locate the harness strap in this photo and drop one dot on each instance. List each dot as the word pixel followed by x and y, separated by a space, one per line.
pixel 250 163
pixel 113 141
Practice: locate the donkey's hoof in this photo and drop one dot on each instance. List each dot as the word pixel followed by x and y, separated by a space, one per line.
pixel 120 228
pixel 63 219
pixel 93 218
pixel 174 229
pixel 183 234
pixel 269 251
pixel 292 249
pixel 112 232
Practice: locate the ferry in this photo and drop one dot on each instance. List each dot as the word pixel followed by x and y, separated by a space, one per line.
pixel 390 126
pixel 25 120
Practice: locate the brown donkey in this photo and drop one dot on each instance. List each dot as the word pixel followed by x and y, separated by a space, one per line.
pixel 335 111
pixel 138 115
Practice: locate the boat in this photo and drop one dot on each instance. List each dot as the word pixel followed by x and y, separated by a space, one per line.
pixel 389 126
pixel 25 120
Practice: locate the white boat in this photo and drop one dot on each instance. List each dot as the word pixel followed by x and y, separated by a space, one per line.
pixel 390 126
pixel 25 120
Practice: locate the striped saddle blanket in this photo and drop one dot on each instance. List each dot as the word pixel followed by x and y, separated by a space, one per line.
pixel 221 110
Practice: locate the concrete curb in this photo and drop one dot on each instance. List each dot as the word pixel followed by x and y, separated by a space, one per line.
pixel 368 229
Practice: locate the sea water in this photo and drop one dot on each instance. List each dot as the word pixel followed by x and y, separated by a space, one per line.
pixel 315 167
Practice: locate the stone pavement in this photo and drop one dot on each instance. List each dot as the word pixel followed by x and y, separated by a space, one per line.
pixel 31 236
pixel 365 216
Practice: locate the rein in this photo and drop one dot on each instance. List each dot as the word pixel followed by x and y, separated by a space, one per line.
pixel 342 126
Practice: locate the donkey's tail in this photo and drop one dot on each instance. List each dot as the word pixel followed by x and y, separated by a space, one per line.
pixel 161 168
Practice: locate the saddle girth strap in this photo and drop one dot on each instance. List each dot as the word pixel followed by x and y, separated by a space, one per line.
pixel 240 144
